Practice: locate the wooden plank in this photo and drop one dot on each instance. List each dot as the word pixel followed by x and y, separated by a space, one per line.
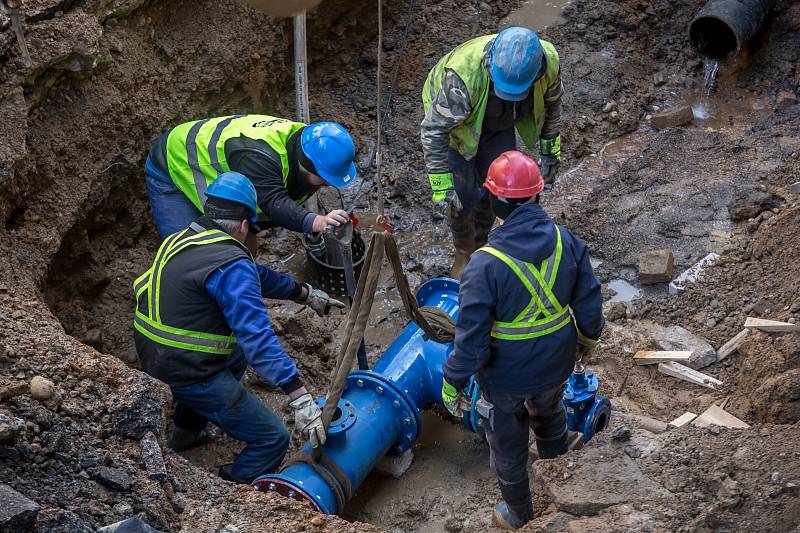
pixel 770 326
pixel 732 345
pixel 682 420
pixel 719 417
pixel 645 357
pixel 685 373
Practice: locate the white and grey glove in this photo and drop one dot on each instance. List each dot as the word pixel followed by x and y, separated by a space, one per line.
pixel 308 420
pixel 318 300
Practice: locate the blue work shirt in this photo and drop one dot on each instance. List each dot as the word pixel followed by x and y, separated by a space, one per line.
pixel 239 289
pixel 490 289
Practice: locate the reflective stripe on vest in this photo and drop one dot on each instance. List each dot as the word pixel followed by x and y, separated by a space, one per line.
pixel 467 60
pixel 149 323
pixel 544 314
pixel 196 150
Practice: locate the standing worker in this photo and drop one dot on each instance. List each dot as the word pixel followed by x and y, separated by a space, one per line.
pixel 200 319
pixel 527 302
pixel 286 161
pixel 473 99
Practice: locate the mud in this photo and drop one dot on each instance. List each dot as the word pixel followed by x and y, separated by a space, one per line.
pixel 107 78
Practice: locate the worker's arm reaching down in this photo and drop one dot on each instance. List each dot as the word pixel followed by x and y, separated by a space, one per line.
pixel 586 300
pixel 550 136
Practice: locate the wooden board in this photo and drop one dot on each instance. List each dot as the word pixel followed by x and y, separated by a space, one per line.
pixel 685 373
pixel 732 345
pixel 682 420
pixel 652 357
pixel 771 326
pixel 719 417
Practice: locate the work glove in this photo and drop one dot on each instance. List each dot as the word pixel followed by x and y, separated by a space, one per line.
pixel 318 300
pixel 443 194
pixel 586 347
pixel 454 400
pixel 550 150
pixel 308 420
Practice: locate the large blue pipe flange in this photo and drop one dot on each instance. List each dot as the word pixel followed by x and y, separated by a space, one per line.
pixel 597 419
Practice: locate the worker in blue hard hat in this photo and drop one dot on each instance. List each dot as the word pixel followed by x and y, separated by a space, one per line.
pixel 200 320
pixel 474 99
pixel 286 161
pixel 527 303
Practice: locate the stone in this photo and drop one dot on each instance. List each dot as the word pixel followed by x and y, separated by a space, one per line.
pixel 141 409
pixel 755 203
pixel 600 481
pixel 656 266
pixel 729 495
pixel 130 525
pixel 113 478
pixel 673 118
pixel 616 311
pixel 61 521
pixel 785 99
pixel 11 388
pixel 17 513
pixel 152 458
pixel 395 465
pixel 795 187
pixel 42 388
pixel 676 338
pixel 10 427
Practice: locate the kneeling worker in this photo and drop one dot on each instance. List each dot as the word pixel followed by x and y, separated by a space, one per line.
pixel 200 319
pixel 527 302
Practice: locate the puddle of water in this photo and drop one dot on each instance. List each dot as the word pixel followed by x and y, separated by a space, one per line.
pixel 536 14
pixel 625 292
pixel 595 262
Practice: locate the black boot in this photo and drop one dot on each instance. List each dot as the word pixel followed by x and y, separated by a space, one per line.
pixel 516 508
pixel 184 439
pixel 226 473
pixel 550 449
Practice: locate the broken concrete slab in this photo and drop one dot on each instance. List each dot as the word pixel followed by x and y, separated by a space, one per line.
pixel 646 357
pixel 678 339
pixel 601 480
pixel 656 266
pixel 732 345
pixel 673 118
pixel 691 274
pixel 17 513
pixel 718 416
pixel 682 420
pixel 685 373
pixel 770 326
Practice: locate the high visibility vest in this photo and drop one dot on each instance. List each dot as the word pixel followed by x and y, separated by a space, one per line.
pixel 196 150
pixel 467 60
pixel 147 319
pixel 544 314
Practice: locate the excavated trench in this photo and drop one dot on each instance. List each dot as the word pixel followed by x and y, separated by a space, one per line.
pixel 84 229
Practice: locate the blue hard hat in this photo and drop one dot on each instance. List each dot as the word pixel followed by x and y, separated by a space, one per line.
pixel 235 187
pixel 514 62
pixel 331 150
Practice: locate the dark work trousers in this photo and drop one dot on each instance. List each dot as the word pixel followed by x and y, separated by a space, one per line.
pixel 225 402
pixel 472 223
pixel 510 420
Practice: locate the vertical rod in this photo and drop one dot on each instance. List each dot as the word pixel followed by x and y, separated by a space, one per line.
pixel 379 152
pixel 301 83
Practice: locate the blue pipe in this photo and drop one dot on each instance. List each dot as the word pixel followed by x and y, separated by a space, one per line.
pixel 379 412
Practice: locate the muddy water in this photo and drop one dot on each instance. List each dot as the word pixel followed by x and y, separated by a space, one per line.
pixel 536 14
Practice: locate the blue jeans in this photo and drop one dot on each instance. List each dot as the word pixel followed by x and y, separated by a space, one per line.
pixel 226 403
pixel 172 210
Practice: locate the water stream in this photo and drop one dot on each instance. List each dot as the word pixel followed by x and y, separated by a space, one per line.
pixel 702 109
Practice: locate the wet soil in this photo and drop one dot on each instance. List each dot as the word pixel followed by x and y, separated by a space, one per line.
pixel 107 78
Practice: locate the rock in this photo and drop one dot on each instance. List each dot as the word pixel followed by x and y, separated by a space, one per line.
pixel 677 338
pixel 621 434
pixel 751 206
pixel 60 521
pixel 10 427
pixel 152 458
pixel 729 494
pixel 616 311
pixel 785 99
pixel 42 388
pixel 17 513
pixel 656 266
pixel 113 478
pixel 673 118
pixel 11 388
pixel 130 525
pixel 795 187
pixel 609 107
pixel 142 408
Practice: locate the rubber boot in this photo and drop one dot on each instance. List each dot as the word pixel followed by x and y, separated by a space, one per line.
pixel 464 248
pixel 226 473
pixel 184 439
pixel 519 511
pixel 550 449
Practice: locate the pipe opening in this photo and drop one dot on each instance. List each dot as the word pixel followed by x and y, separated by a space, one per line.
pixel 713 38
pixel 602 422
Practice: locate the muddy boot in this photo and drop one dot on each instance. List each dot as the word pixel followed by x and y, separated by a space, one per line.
pixel 464 248
pixel 184 439
pixel 550 449
pixel 226 473
pixel 518 512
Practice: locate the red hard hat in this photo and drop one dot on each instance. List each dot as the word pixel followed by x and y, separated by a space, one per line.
pixel 514 175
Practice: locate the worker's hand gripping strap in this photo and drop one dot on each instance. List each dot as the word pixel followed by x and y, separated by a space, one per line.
pixel 551 147
pixel 440 184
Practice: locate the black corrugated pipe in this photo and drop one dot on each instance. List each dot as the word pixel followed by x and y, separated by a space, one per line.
pixel 722 27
